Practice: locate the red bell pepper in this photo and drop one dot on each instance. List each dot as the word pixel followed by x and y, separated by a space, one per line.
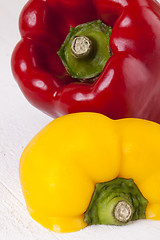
pixel 129 85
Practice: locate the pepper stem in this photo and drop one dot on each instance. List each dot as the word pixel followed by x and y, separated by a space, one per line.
pixel 85 50
pixel 81 46
pixel 116 203
pixel 123 211
pixel 115 210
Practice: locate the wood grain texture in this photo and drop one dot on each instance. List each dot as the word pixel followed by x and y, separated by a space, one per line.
pixel 19 122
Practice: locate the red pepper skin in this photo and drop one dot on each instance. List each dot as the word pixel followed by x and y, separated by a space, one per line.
pixel 129 85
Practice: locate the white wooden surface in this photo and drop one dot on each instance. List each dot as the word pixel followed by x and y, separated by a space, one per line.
pixel 19 122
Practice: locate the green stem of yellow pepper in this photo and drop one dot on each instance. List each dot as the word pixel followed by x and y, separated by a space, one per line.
pixel 116 203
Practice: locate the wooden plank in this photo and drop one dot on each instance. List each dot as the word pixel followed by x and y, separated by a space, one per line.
pixel 15 222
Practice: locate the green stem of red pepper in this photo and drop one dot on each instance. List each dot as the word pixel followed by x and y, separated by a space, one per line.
pixel 82 47
pixel 86 50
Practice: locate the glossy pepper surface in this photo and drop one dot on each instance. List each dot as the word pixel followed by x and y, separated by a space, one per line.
pixel 129 85
pixel 63 163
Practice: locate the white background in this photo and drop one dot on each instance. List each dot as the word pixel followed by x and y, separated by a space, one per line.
pixel 19 122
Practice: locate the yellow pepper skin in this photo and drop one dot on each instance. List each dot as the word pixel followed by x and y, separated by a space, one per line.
pixel 61 165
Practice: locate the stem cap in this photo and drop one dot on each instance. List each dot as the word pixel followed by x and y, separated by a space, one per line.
pixel 116 202
pixel 85 51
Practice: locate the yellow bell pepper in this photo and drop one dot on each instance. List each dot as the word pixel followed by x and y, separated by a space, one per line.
pixel 61 165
